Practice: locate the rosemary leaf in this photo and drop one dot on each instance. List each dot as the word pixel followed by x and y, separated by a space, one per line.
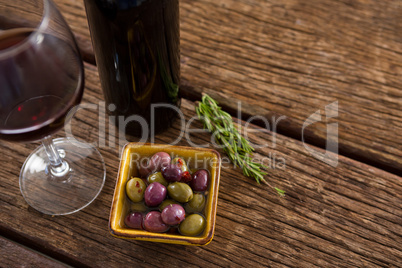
pixel 238 149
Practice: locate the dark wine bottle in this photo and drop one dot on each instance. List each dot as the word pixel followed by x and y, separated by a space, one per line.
pixel 136 44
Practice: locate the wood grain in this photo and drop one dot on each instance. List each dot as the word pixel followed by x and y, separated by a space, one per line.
pixel 288 59
pixel 292 58
pixel 15 255
pixel 348 216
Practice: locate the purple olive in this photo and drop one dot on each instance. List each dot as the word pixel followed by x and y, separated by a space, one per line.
pixel 173 214
pixel 154 194
pixel 158 161
pixel 200 180
pixel 134 220
pixel 153 222
pixel 155 163
pixel 172 172
pixel 143 170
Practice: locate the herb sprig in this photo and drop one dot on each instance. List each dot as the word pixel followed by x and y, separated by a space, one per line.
pixel 238 149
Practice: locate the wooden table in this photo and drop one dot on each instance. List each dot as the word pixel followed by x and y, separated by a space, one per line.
pixel 283 60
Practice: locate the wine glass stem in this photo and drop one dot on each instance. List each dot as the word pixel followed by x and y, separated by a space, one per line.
pixel 58 167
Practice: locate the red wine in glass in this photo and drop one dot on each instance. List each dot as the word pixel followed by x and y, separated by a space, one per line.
pixel 34 102
pixel 41 81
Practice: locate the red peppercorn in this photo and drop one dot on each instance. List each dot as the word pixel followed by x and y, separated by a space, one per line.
pixel 186 176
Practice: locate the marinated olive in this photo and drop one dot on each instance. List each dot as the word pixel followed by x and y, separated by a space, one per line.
pixel 200 180
pixel 180 192
pixel 134 220
pixel 173 214
pixel 196 204
pixel 192 225
pixel 158 161
pixel 157 177
pixel 153 222
pixel 138 207
pixel 181 163
pixel 172 172
pixel 173 188
pixel 135 188
pixel 155 163
pixel 167 202
pixel 154 194
pixel 143 170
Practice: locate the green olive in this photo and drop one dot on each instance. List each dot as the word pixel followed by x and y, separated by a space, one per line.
pixel 196 204
pixel 181 163
pixel 138 207
pixel 135 189
pixel 166 203
pixel 179 191
pixel 157 177
pixel 192 225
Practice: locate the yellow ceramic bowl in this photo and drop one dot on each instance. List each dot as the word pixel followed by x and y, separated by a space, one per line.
pixel 195 158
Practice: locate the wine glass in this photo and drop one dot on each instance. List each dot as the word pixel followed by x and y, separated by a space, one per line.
pixel 41 80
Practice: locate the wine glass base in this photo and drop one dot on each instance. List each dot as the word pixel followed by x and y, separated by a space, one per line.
pixel 70 192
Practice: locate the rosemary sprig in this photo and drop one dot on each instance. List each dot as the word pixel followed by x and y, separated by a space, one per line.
pixel 238 149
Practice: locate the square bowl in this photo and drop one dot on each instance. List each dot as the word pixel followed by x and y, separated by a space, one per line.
pixel 132 155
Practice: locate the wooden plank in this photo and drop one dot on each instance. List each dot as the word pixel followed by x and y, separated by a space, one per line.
pixel 292 58
pixel 346 216
pixel 287 58
pixel 16 255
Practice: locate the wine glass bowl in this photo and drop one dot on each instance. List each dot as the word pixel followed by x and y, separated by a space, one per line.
pixel 42 80
pixel 42 75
